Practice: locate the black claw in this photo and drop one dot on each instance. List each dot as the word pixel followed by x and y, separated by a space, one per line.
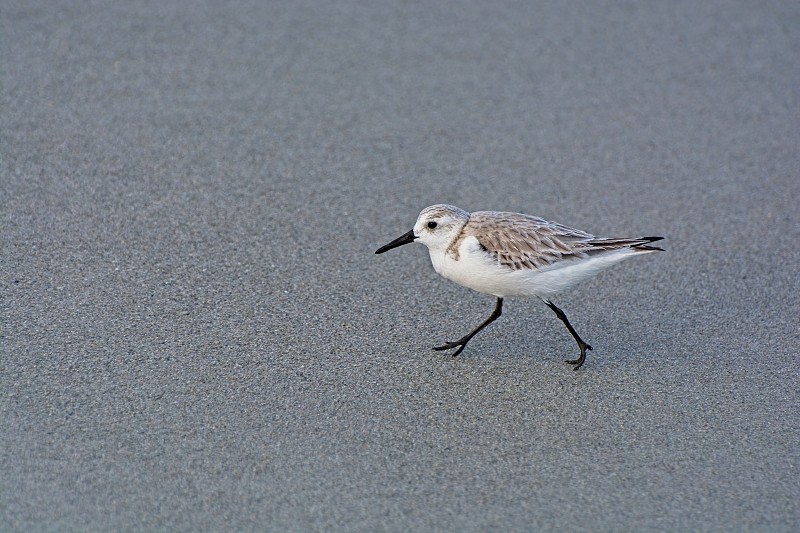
pixel 580 360
pixel 462 342
pixel 446 346
pixel 450 345
pixel 577 362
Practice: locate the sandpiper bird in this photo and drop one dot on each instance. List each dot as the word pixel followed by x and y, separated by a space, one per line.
pixel 511 254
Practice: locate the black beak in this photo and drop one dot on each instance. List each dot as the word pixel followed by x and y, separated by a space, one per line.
pixel 400 241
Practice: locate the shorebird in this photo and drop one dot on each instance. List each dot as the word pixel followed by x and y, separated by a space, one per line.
pixel 514 255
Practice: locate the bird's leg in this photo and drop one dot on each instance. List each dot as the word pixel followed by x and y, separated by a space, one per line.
pixel 581 344
pixel 462 342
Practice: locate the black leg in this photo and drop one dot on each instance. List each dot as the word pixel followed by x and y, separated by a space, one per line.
pixel 582 345
pixel 462 342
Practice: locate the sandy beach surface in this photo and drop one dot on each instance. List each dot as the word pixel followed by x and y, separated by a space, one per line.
pixel 196 334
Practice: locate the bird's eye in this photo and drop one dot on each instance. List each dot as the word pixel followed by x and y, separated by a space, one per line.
pixel 432 224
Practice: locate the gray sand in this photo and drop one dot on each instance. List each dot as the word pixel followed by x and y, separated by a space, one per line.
pixel 197 336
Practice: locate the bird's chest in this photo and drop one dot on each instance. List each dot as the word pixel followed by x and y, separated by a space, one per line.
pixel 468 267
pixel 442 263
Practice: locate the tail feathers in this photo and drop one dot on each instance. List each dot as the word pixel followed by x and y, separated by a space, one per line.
pixel 641 244
pixel 649 248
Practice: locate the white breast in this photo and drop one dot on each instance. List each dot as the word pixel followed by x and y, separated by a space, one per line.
pixel 475 268
pixel 478 270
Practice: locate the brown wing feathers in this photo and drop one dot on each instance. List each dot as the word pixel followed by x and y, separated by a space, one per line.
pixel 522 241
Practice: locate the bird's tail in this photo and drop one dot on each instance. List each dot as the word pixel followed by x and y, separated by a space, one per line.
pixel 639 245
pixel 647 248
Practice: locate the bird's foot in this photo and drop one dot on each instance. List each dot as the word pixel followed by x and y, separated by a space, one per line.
pixel 580 360
pixel 461 343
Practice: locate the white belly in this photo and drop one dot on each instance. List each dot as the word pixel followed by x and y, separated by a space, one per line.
pixel 479 271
